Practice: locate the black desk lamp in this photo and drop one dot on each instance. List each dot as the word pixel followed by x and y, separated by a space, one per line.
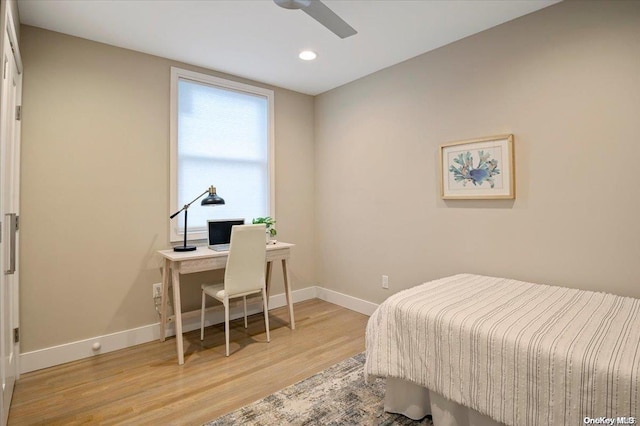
pixel 211 200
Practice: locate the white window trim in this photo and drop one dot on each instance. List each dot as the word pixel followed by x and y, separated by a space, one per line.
pixel 182 74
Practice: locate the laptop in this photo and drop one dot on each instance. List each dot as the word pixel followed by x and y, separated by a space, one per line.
pixel 220 233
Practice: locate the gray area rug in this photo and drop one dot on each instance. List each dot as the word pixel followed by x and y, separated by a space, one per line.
pixel 335 396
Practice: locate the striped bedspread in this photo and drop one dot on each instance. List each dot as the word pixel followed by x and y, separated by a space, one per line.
pixel 521 353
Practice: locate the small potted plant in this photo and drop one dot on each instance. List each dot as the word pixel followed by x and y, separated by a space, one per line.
pixel 269 222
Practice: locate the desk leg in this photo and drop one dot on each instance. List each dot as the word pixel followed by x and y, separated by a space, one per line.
pixel 287 290
pixel 177 310
pixel 164 300
pixel 268 281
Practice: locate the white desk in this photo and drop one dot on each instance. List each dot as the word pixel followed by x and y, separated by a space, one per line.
pixel 205 259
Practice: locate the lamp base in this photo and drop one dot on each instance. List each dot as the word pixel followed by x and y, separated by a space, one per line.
pixel 184 248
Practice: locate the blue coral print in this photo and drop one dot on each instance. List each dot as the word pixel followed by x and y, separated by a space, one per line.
pixel 465 172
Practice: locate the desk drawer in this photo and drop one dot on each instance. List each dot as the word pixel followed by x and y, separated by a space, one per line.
pixel 200 265
pixel 278 254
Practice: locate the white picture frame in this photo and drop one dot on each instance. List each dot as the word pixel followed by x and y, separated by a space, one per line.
pixel 481 168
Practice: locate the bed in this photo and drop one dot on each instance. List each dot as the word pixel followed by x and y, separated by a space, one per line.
pixel 486 351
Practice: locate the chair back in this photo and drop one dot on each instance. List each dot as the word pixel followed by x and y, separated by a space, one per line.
pixel 245 270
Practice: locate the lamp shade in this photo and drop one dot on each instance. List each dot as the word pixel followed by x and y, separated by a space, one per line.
pixel 212 198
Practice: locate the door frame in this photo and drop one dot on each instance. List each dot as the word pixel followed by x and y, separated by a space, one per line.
pixel 11 75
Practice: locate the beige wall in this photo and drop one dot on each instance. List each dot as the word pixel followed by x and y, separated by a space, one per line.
pixel 566 82
pixel 95 176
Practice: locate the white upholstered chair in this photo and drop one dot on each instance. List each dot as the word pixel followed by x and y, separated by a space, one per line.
pixel 243 276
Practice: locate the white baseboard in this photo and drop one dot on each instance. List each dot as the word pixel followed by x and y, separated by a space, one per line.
pixel 56 355
pixel 346 301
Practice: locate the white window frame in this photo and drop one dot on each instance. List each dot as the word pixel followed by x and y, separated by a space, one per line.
pixel 182 74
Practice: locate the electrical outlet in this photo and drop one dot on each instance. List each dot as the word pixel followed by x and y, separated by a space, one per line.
pixel 157 290
pixel 385 281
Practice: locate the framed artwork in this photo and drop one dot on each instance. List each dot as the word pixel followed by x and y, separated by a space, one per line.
pixel 478 169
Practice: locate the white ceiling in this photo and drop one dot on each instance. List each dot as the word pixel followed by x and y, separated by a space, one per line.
pixel 258 40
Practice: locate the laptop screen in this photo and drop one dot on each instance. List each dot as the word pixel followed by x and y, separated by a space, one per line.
pixel 220 230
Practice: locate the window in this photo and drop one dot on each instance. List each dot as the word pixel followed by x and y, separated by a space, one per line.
pixel 221 135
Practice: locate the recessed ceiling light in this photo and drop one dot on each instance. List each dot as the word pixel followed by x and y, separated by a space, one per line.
pixel 307 55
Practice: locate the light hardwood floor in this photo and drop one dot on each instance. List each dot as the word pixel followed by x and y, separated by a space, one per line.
pixel 145 385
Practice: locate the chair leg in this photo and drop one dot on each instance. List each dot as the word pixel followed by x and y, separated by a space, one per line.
pixel 266 312
pixel 202 317
pixel 244 299
pixel 226 322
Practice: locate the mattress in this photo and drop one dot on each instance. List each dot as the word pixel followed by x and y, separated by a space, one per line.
pixel 518 352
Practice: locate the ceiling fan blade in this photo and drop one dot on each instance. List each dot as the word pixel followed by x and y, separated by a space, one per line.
pixel 327 17
pixel 292 4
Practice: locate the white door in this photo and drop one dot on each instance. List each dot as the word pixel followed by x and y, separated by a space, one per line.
pixel 9 204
